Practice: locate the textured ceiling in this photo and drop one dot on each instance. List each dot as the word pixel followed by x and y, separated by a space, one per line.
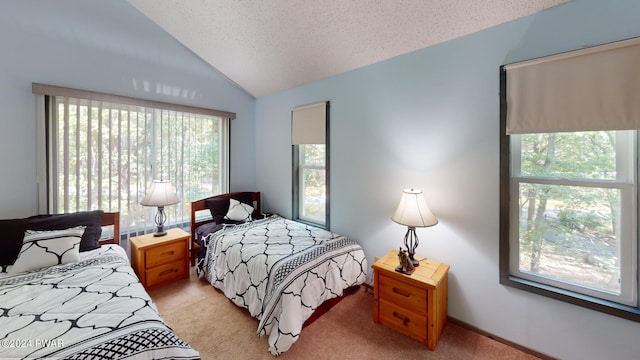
pixel 269 46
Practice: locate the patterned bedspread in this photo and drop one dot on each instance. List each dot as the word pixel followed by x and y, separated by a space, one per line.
pixel 281 271
pixel 92 309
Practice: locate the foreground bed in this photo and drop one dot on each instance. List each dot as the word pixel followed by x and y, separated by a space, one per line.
pixel 280 270
pixel 93 308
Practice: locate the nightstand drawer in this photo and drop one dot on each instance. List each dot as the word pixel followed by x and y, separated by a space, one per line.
pixel 403 320
pixel 404 294
pixel 164 254
pixel 167 272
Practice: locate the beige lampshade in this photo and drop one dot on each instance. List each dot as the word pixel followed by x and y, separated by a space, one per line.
pixel 160 194
pixel 412 211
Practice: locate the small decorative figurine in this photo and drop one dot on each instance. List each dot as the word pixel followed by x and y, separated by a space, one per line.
pixel 405 267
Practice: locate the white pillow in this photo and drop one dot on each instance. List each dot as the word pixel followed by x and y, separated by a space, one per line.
pixel 47 248
pixel 238 211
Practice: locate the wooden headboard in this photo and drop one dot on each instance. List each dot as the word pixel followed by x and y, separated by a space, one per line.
pixel 108 219
pixel 201 205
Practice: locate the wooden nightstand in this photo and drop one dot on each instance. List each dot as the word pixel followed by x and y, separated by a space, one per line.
pixel 161 260
pixel 414 305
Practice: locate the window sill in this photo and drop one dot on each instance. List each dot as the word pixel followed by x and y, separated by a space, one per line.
pixel 308 222
pixel 608 307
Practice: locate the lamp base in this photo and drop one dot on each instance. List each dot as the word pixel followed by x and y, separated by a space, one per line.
pixel 411 243
pixel 414 261
pixel 160 219
pixel 407 272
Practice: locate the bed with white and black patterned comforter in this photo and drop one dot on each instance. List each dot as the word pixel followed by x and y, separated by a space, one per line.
pixel 281 271
pixel 92 309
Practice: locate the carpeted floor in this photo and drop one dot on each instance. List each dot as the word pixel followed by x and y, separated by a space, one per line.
pixel 218 329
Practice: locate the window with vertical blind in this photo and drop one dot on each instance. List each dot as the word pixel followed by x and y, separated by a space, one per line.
pixel 568 177
pixel 310 142
pixel 103 151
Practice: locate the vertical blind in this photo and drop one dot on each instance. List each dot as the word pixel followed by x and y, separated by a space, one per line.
pixel 104 155
pixel 591 89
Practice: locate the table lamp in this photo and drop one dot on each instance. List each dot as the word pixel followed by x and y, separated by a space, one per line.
pixel 413 212
pixel 160 194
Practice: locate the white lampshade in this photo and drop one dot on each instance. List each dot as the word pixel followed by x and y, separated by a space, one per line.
pixel 160 194
pixel 412 211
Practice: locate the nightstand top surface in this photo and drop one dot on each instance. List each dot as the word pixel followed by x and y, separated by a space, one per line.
pixel 429 272
pixel 148 240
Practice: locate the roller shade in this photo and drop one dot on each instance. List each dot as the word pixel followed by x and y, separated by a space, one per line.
pixel 592 89
pixel 309 124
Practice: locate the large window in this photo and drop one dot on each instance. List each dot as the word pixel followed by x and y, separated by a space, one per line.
pixel 105 154
pixel 310 151
pixel 573 210
pixel 568 177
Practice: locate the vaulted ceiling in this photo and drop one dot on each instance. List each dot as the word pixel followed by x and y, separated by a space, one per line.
pixel 266 46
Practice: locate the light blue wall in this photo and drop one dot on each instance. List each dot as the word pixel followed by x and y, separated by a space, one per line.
pixel 104 46
pixel 430 120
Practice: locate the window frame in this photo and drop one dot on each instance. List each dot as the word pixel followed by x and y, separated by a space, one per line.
pixel 507 277
pixel 297 176
pixel 627 246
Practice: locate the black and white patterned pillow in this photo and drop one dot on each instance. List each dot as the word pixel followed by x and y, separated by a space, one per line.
pixel 47 248
pixel 239 211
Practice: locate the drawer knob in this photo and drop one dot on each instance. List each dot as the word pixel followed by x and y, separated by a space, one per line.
pixel 168 253
pixel 401 292
pixel 405 319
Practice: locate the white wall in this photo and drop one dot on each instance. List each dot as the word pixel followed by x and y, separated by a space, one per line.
pixel 104 46
pixel 430 119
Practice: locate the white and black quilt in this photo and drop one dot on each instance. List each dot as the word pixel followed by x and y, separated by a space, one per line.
pixel 91 309
pixel 281 271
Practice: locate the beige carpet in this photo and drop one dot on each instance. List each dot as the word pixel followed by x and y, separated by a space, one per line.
pixel 218 329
